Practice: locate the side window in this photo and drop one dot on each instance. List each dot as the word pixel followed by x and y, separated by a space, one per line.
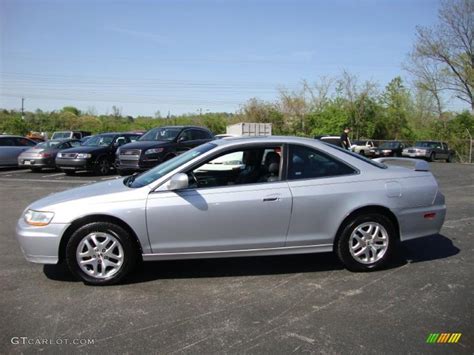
pixel 246 166
pixel 75 143
pixel 24 142
pixel 6 142
pixel 76 135
pixel 185 136
pixel 121 140
pixel 133 138
pixel 201 134
pixel 64 145
pixel 308 163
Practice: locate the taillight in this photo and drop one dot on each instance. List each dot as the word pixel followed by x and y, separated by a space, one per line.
pixel 45 155
pixel 430 215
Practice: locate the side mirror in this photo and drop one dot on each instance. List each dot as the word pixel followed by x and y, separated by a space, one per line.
pixel 178 182
pixel 181 139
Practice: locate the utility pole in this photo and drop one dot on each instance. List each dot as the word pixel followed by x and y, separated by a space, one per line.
pixel 22 108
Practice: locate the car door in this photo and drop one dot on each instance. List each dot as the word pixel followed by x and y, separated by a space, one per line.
pixel 223 214
pixel 7 151
pixel 319 185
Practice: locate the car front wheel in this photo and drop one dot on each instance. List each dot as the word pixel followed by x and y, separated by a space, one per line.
pixel 367 242
pixel 101 253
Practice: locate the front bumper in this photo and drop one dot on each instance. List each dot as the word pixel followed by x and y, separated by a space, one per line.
pixel 74 164
pixel 136 165
pixel 423 155
pixel 40 244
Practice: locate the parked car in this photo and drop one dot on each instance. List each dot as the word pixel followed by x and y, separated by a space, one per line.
pixel 334 140
pixel 43 154
pixel 96 154
pixel 70 135
pixel 430 150
pixel 362 147
pixel 289 204
pixel 387 149
pixel 11 147
pixel 158 145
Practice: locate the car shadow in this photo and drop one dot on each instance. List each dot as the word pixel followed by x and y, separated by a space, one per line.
pixel 417 250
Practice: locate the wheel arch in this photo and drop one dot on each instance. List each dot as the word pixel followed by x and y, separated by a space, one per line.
pixel 368 209
pixel 96 218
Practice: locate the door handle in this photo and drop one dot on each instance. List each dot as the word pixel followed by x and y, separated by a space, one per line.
pixel 269 199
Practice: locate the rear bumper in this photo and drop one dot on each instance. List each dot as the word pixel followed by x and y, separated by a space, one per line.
pixel 35 162
pixel 422 221
pixel 40 244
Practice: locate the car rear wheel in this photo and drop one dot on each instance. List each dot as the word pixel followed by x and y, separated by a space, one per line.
pixel 367 242
pixel 449 159
pixel 432 157
pixel 101 253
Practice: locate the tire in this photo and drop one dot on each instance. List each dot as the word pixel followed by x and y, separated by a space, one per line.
pixel 449 159
pixel 362 152
pixel 432 157
pixel 374 255
pixel 168 157
pixel 102 167
pixel 35 170
pixel 69 172
pixel 119 259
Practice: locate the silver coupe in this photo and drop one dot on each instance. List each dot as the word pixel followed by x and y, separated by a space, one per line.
pixel 283 195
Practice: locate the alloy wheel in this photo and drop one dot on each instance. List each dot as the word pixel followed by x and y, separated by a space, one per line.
pixel 368 242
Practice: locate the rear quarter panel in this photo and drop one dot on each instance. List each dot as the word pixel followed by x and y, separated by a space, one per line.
pixel 321 205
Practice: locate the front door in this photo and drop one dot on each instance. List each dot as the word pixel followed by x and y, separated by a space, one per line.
pixel 229 205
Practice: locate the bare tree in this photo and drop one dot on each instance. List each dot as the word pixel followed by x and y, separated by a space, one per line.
pixel 356 96
pixel 449 49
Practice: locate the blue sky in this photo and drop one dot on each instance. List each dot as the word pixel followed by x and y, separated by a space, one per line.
pixel 182 56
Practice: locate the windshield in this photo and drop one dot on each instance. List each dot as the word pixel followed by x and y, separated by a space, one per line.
pixel 60 135
pixel 166 167
pixel 426 144
pixel 161 134
pixel 99 141
pixel 358 156
pixel 48 144
pixel 389 145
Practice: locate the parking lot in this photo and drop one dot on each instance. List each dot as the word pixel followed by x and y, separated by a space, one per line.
pixel 284 304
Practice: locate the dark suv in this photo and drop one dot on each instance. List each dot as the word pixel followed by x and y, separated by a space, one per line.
pixel 97 154
pixel 158 145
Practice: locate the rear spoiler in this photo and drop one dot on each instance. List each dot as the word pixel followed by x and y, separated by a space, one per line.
pixel 419 165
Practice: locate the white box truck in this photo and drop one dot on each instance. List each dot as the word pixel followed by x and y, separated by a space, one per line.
pixel 250 129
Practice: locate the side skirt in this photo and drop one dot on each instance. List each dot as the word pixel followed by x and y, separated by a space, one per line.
pixel 306 249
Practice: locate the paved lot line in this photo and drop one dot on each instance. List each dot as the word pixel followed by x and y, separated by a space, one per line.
pixel 15 171
pixel 56 181
pixel 49 175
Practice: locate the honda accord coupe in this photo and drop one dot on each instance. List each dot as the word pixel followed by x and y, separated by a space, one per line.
pixel 285 195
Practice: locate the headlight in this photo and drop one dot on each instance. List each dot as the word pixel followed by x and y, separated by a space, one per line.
pixel 38 218
pixel 60 155
pixel 386 151
pixel 83 156
pixel 154 151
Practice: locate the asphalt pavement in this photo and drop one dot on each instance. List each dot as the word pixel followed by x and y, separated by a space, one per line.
pixel 261 305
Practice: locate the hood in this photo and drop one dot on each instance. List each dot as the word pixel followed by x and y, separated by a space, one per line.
pixel 86 149
pixel 145 144
pixel 102 189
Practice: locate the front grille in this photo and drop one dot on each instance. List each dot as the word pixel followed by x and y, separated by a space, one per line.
pixel 130 154
pixel 69 155
pixel 411 150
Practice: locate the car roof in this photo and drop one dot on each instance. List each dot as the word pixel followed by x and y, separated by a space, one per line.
pixel 181 127
pixel 11 136
pixel 267 139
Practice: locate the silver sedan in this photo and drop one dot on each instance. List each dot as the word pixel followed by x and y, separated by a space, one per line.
pixel 283 195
